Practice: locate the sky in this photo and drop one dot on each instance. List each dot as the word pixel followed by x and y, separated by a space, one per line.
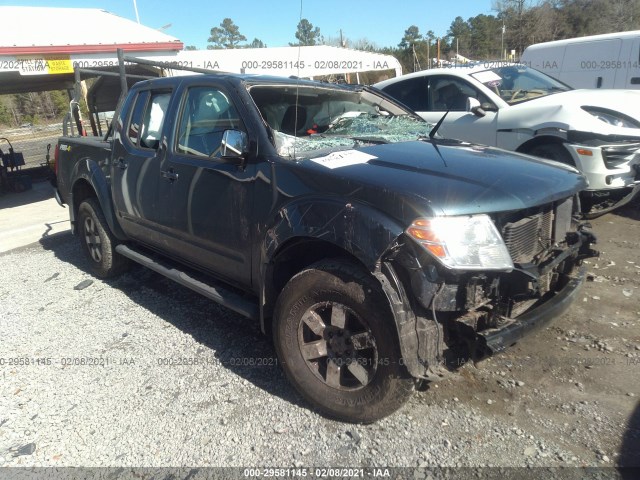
pixel 275 22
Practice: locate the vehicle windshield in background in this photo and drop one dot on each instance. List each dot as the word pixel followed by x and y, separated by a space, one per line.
pixel 517 83
pixel 309 119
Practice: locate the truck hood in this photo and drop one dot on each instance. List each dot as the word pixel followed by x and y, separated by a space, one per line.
pixel 443 177
pixel 564 110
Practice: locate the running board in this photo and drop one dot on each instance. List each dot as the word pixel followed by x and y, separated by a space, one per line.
pixel 217 293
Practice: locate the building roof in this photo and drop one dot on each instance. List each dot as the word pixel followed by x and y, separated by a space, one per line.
pixel 50 30
pixel 42 47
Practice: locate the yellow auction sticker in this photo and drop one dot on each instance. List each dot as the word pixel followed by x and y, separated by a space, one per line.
pixel 45 65
pixel 60 65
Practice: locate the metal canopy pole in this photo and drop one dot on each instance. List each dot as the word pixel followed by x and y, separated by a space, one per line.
pixel 114 74
pixel 124 87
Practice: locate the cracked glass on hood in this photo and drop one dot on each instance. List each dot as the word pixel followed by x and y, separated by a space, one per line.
pixel 306 120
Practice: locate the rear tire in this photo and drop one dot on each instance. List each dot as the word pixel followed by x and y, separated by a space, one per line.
pixel 98 242
pixel 338 344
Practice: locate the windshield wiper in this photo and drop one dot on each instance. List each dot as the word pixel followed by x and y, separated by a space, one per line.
pixel 360 138
pixel 364 139
pixel 434 130
pixel 375 140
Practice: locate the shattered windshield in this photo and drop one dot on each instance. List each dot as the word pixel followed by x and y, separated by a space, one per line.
pixel 307 119
pixel 518 83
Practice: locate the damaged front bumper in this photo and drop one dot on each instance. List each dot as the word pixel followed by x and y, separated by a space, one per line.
pixel 612 167
pixel 446 318
pixel 497 339
pixel 633 193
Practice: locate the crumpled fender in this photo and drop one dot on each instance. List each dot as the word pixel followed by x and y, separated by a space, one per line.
pixel 353 227
pixel 362 231
pixel 368 235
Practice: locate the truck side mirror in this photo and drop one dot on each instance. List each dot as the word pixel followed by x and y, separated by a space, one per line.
pixel 235 145
pixel 473 106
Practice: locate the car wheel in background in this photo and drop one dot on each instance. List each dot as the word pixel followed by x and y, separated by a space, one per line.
pixel 553 151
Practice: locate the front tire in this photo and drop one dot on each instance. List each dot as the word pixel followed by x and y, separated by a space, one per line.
pixel 338 345
pixel 98 242
pixel 553 151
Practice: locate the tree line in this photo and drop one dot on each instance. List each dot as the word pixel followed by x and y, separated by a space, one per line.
pixel 515 25
pixel 520 23
pixel 33 108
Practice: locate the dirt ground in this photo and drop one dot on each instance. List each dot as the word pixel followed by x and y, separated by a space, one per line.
pixel 579 379
pixel 565 396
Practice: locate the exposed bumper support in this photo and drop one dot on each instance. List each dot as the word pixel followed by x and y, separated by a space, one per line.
pixel 496 340
pixel 623 201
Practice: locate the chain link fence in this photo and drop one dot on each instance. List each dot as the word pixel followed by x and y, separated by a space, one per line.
pixel 32 141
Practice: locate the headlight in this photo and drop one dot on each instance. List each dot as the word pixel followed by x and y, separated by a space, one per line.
pixel 612 118
pixel 465 243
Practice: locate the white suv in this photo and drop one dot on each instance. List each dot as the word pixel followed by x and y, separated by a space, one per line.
pixel 518 108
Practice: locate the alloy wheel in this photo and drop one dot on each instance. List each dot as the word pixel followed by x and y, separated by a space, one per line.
pixel 337 346
pixel 92 239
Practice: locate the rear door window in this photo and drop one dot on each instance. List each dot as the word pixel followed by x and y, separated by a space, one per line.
pixel 411 92
pixel 147 119
pixel 135 122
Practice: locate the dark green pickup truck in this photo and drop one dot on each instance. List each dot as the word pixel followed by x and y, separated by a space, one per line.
pixel 376 254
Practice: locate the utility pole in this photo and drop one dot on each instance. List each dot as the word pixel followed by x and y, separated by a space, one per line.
pixel 416 61
pixel 502 42
pixel 135 7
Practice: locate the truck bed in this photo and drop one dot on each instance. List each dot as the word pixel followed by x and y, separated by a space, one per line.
pixel 72 150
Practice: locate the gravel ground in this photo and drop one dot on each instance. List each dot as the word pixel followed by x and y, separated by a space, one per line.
pixel 141 372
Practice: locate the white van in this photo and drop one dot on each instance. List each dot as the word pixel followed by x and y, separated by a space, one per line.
pixel 599 61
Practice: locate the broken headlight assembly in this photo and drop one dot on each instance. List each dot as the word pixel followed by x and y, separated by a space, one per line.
pixel 465 243
pixel 611 117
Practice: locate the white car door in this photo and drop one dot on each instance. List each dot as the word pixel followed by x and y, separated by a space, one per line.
pixel 632 77
pixel 589 64
pixel 432 95
pixel 445 92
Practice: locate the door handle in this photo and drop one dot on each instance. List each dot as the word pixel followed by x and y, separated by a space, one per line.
pixel 122 164
pixel 170 174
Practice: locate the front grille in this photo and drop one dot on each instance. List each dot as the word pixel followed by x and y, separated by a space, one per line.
pixel 616 155
pixel 529 236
